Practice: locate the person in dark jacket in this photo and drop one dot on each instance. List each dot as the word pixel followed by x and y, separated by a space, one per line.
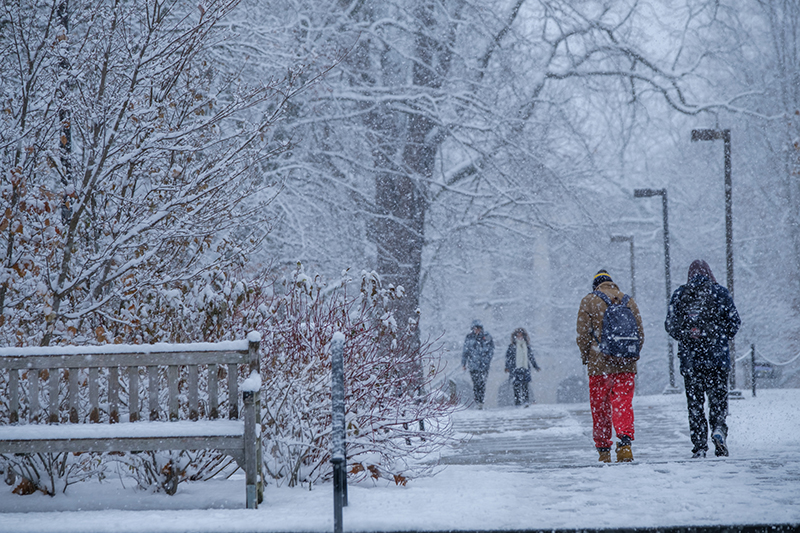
pixel 703 318
pixel 519 362
pixel 477 357
pixel 611 379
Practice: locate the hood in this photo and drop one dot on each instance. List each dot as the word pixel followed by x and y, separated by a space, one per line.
pixel 700 268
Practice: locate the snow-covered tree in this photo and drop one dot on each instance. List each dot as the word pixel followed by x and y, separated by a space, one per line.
pixel 131 163
pixel 457 137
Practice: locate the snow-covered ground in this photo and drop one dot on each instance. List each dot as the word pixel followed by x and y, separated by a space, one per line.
pixel 758 484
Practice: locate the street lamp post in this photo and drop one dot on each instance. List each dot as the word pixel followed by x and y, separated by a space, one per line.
pixel 647 193
pixel 725 135
pixel 629 239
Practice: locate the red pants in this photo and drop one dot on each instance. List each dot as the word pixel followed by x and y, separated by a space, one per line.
pixel 610 397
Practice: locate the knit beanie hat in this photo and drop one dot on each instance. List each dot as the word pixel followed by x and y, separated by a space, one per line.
pixel 700 268
pixel 599 278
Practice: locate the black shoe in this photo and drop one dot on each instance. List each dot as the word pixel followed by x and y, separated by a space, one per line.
pixel 699 454
pixel 720 448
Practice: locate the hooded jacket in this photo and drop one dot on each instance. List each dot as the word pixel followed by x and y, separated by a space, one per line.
pixel 590 326
pixel 478 352
pixel 724 319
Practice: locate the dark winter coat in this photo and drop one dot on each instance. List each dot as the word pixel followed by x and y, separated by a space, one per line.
pixel 521 374
pixel 725 322
pixel 478 352
pixel 590 326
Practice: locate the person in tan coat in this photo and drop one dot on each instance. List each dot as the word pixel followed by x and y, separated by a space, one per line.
pixel 611 378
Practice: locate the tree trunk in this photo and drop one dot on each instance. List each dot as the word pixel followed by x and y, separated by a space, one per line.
pixel 402 197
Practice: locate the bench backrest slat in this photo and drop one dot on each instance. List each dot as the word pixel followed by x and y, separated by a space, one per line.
pixel 172 386
pixel 94 395
pixel 152 385
pixel 185 370
pixel 33 387
pixel 113 394
pixel 52 408
pixel 133 393
pixel 13 399
pixel 74 405
pixel 213 394
pixel 192 395
pixel 233 392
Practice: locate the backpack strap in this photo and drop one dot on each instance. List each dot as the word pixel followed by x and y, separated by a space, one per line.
pixel 603 297
pixel 607 300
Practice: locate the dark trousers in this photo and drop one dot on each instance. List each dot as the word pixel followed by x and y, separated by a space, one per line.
pixel 520 378
pixel 478 384
pixel 700 382
pixel 520 392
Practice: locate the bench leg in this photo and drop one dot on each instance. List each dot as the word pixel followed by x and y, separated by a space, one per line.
pixel 251 445
pixel 171 482
pixel 10 477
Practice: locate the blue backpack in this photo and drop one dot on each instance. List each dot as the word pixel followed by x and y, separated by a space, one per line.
pixel 620 335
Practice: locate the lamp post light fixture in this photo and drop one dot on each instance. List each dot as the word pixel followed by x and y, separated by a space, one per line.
pixel 647 193
pixel 629 239
pixel 725 136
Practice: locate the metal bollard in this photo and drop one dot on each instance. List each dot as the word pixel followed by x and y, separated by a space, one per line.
pixel 753 367
pixel 338 456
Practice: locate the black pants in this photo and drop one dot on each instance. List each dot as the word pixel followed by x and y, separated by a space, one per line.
pixel 520 379
pixel 700 382
pixel 478 384
pixel 520 392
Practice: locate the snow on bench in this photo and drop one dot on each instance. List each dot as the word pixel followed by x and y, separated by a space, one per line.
pixel 72 381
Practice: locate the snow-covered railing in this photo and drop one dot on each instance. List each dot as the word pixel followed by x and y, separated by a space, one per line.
pixel 744 356
pixel 72 399
pixel 749 353
pixel 754 369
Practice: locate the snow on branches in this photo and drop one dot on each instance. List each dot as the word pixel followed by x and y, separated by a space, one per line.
pixel 130 162
pixel 395 419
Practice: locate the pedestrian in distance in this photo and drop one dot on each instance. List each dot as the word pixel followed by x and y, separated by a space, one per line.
pixel 519 363
pixel 703 319
pixel 477 358
pixel 610 337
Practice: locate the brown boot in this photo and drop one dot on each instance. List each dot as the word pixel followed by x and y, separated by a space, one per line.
pixel 605 455
pixel 624 453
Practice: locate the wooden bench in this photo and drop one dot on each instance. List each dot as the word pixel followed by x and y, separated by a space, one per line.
pixel 61 409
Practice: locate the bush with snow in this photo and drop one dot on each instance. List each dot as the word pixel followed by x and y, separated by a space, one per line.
pixel 394 418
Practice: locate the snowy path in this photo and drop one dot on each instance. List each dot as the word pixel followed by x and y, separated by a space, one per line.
pixel 560 436
pixel 522 469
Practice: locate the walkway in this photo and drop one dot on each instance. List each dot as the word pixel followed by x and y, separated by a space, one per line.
pixel 546 436
pixel 527 470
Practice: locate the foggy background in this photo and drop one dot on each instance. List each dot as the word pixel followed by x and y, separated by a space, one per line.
pixel 478 154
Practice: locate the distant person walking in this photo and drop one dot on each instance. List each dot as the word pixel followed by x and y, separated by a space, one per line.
pixel 519 362
pixel 703 319
pixel 610 336
pixel 477 357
